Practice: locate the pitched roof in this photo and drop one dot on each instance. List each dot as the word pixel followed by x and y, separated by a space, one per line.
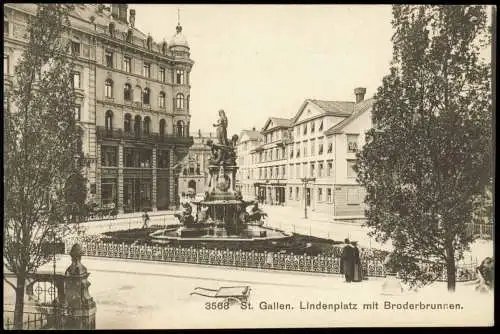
pixel 333 108
pixel 344 107
pixel 359 108
pixel 278 122
pixel 253 135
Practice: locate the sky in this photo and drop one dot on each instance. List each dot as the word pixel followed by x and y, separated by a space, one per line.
pixel 260 61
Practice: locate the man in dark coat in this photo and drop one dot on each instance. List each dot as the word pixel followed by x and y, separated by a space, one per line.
pixel 347 261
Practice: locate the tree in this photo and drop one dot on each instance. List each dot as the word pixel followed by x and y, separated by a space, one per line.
pixel 428 155
pixel 40 147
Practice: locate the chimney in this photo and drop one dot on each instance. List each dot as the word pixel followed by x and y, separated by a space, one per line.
pixel 132 18
pixel 115 10
pixel 360 94
pixel 122 13
pixel 253 129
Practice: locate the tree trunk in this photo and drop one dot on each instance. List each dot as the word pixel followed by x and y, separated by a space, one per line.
pixel 451 269
pixel 19 307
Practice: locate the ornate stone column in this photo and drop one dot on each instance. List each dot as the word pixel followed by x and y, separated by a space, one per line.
pixel 120 177
pixel 80 306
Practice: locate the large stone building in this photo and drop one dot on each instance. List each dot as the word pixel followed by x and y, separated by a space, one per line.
pixel 132 105
pixel 193 168
pixel 319 143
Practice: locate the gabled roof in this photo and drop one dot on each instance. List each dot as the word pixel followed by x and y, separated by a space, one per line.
pixel 331 108
pixel 278 122
pixel 359 108
pixel 252 135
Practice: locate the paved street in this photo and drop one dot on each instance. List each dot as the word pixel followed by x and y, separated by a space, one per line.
pixel 135 294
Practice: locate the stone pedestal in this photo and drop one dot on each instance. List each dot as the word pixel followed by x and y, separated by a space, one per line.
pixel 80 306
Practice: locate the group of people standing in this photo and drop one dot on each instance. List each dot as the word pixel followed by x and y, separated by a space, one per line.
pixel 350 262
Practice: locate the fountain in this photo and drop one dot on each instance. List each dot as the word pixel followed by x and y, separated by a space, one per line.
pixel 222 214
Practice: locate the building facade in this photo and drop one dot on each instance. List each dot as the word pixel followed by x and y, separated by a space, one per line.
pixel 247 175
pixel 271 167
pixel 308 160
pixel 193 168
pixel 132 102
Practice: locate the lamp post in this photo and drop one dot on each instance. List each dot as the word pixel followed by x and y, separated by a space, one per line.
pixel 306 181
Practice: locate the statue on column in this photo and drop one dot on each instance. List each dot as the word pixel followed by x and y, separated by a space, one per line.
pixel 221 126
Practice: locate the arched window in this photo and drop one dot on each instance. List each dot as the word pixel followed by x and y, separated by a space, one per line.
pixel 137 125
pixel 126 123
pixel 161 100
pixel 109 120
pixel 180 128
pixel 127 92
pixel 137 94
pixel 145 96
pixel 162 127
pixel 108 88
pixel 179 101
pixel 147 122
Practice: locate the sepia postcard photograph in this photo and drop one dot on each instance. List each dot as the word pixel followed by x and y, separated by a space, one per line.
pixel 175 166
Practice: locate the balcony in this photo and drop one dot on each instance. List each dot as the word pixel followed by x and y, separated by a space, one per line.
pixel 152 138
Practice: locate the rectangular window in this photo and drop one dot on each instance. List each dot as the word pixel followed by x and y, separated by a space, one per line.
pixel 312 169
pixel 6 65
pixel 127 64
pixel 305 129
pixel 329 195
pixel 296 193
pixel 291 152
pixel 330 147
pixel 6 27
pixel 352 143
pixel 109 156
pixel 179 77
pixel 353 197
pixel 320 195
pixel 283 172
pixel 290 195
pixel 162 74
pixel 78 111
pixel 109 58
pixel 297 169
pixel 312 127
pixel 320 170
pixel 75 48
pixel 320 149
pixel 313 147
pixel 77 80
pixel 147 70
pixel 304 169
pixel 329 167
pixel 350 169
pixel 321 126
pixel 305 148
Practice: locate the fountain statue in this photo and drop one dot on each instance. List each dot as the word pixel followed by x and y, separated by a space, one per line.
pixel 222 212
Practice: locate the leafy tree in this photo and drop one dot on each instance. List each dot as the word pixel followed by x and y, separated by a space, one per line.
pixel 40 147
pixel 428 155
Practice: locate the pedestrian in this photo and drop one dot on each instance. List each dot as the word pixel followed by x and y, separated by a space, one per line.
pixel 145 216
pixel 347 261
pixel 358 269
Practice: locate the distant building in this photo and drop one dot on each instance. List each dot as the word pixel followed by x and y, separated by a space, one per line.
pixel 193 168
pixel 319 143
pixel 247 175
pixel 132 102
pixel 271 155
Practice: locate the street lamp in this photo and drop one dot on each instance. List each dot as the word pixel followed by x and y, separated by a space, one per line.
pixel 306 181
